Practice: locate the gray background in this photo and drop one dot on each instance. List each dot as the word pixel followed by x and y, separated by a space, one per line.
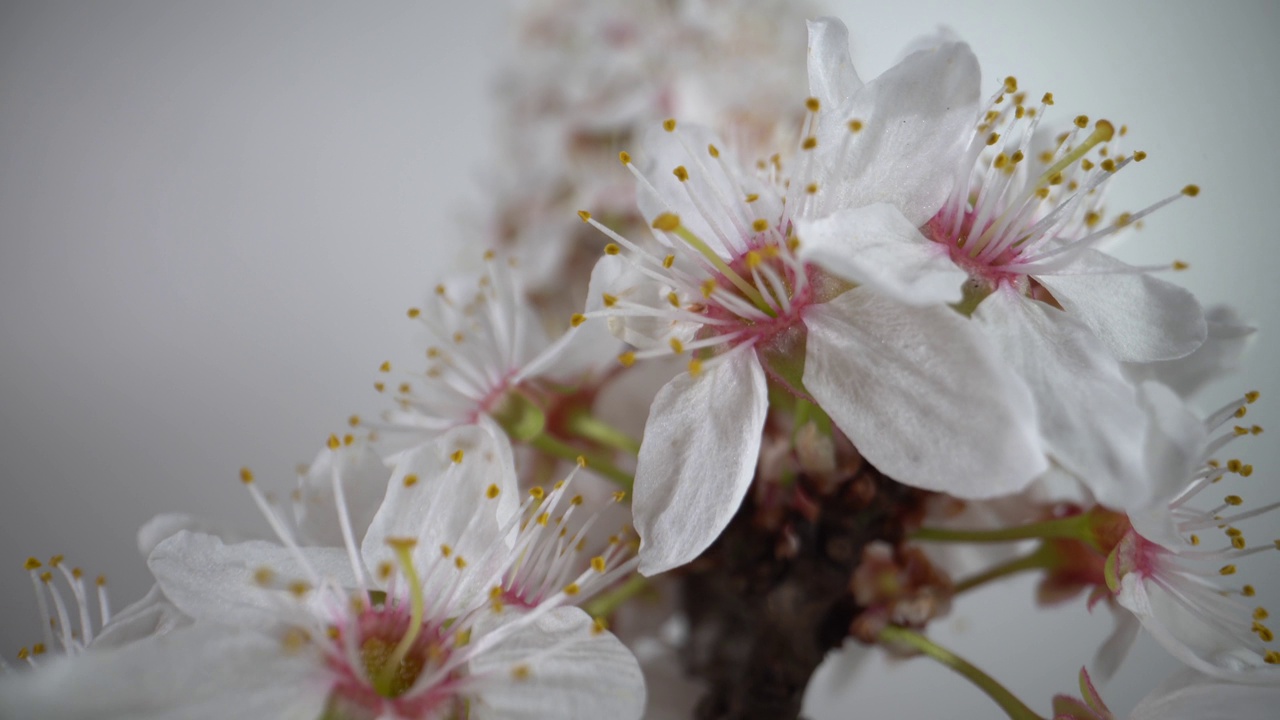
pixel 212 217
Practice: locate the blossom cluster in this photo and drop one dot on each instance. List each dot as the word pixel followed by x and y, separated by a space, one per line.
pixel 734 296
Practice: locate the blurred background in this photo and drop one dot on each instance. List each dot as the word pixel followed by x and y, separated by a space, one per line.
pixel 212 217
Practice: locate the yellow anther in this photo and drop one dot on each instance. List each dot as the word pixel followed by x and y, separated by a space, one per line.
pixel 385 569
pixel 492 492
pixel 385 366
pixel 708 287
pixel 542 519
pixel 1180 265
pixel 521 671
pixel 695 367
pixel 612 249
pixel 809 143
pixel 488 255
pixel 37 649
pixel 1108 165
pixel 581 460
pixel 1272 657
pixel 32 564
pixel 405 388
pixel 577 499
pixel 1001 160
pixel 759 225
pixel 1263 632
pixel 668 261
pixel 584 215
pixel 627 359
pixel 619 495
pixel 446 550
pixel 993 138
pixel 577 319
pixel 1248 591
pixel 1047 99
pixel 609 300
pixel 1241 411
pixel 440 289
pixel 598 626
pixel 246 475
pixel 1011 84
pixel 380 387
pixel 666 222
pixel 1234 532
pixel 752 197
pixel 572 589
pixel 1227 570
pixel 1082 121
pixel 459 562
pixel 333 443
pixel 673 298
pixel 669 124
pixel 456 456
pixel 413 312
pixel 713 151
pixel 677 347
pixel 681 173
pixel 624 157
pixel 354 421
pixel 598 564
pixel 1042 193
pixel 1019 112
pixel 410 480
pixel 1238 542
pixel 1246 470
pixel 263 576
pixel 1195 539
pixel 299 588
pixel 1233 465
pixel 1139 156
pixel 855 126
pixel 1191 190
pixel 23 654
pixel 753 258
pixel 1261 614
pixel 1240 430
pixel 811 188
pixel 348 439
pixel 1017 157
pixel 537 493
pixel 812 104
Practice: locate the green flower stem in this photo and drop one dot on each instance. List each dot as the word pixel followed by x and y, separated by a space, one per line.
pixel 555 448
pixel 1075 527
pixel 588 426
pixel 1012 706
pixel 1042 558
pixel 606 603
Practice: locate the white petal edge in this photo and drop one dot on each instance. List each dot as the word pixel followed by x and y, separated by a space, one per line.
pixel 698 458
pixel 832 77
pixel 921 395
pixel 1140 318
pixel 1190 695
pixel 583 675
pixel 1088 413
pixel 446 502
pixel 194 673
pixel 877 247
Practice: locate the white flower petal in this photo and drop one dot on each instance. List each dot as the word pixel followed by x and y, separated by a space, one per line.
pixel 1139 317
pixel 364 483
pixel 152 615
pixel 876 246
pixel 1190 695
pixel 698 458
pixel 711 202
pixel 204 671
pixel 1088 413
pixel 212 580
pixel 1186 636
pixel 1228 336
pixel 832 78
pixel 1117 645
pixel 585 676
pixel 1175 448
pixel 166 525
pixel 437 501
pixel 921 395
pixel 916 120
